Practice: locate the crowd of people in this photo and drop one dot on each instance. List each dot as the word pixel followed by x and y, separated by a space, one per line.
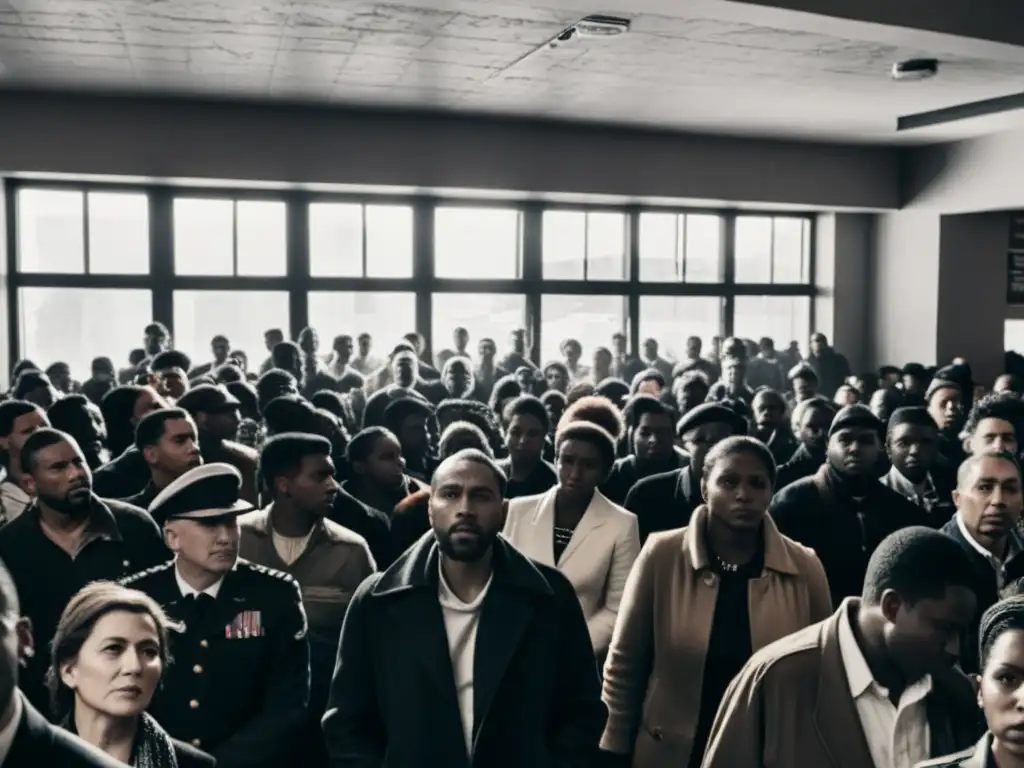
pixel 736 559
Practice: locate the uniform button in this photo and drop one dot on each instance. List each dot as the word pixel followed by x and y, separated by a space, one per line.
pixel 194 704
pixel 203 644
pixel 198 669
pixel 126 563
pixel 197 743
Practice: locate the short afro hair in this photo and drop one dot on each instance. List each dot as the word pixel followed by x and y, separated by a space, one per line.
pixel 595 410
pixel 460 435
pixel 283 455
pixel 588 432
pixel 528 405
pixel 1006 406
pixel 639 406
pixel 917 563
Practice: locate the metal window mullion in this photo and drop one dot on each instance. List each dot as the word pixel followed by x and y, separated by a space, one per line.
pixel 86 255
pixel 771 252
pixel 364 238
pixel 13 299
pixel 532 234
pixel 728 261
pixel 161 254
pixel 297 261
pixel 681 224
pixel 423 267
pixel 632 298
pixel 234 237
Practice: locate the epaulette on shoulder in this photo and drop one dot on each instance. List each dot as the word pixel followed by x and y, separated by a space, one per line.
pixel 252 567
pixel 129 580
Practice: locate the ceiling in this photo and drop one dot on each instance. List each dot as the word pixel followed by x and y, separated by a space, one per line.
pixel 749 68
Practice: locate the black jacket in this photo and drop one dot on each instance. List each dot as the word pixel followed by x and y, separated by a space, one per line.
pixel 800 465
pixel 241 698
pixel 664 502
pixel 186 755
pixel 986 589
pixel 819 513
pixel 625 474
pixel 38 744
pixel 536 695
pixel 124 476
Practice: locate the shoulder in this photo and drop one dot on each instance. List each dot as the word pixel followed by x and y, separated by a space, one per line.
pixel 269 579
pixel 777 663
pixel 241 452
pixel 72 752
pixel 142 578
pixel 128 515
pixel 796 491
pixel 340 536
pixel 524 503
pixel 560 585
pixel 618 516
pixel 659 480
pixel 955 760
pixel 190 757
pixel 664 546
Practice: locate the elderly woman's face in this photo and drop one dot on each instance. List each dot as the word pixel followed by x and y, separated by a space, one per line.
pixel 119 665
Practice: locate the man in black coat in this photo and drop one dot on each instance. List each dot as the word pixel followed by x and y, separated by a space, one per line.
pixel 65 539
pixel 239 685
pixel 27 740
pixel 989 504
pixel 499 670
pixel 666 501
pixel 842 511
pixel 811 421
pixel 650 434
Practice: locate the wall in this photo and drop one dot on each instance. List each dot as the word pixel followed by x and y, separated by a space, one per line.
pixel 904 289
pixel 843 262
pixel 972 307
pixel 175 139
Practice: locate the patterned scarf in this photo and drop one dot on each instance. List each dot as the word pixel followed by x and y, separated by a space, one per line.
pixel 153 747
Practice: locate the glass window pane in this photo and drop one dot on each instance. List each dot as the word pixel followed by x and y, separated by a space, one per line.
pixel 565 245
pixel 118 233
pixel 673 319
pixel 481 243
pixel 74 325
pixel 660 260
pixel 781 318
pixel 753 249
pixel 590 319
pixel 335 240
pixel 203 237
pixel 51 231
pixel 242 316
pixel 1013 336
pixel 703 249
pixel 789 263
pixel 387 316
pixel 262 238
pixel 388 241
pixel 606 246
pixel 485 315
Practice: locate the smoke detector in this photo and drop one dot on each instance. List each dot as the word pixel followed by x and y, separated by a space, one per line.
pixel 915 69
pixel 596 26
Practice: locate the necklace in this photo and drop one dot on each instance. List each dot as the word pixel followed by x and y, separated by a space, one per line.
pixel 727 567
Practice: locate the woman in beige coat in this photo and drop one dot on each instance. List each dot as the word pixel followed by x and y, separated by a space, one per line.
pixel 699 601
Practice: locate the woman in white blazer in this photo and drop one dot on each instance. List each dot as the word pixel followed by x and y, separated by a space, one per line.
pixel 574 528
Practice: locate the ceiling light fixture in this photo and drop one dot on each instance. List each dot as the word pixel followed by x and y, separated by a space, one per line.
pixel 915 69
pixel 596 26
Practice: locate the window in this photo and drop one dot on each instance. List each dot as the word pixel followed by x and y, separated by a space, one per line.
pixel 205 242
pixel 673 319
pixel 242 316
pixel 772 250
pixel 591 320
pixel 477 243
pixel 74 325
pixel 781 318
pixel 484 315
pixel 584 246
pixel 386 316
pixel 680 248
pixel 345 236
pixel 51 232
pixel 1013 336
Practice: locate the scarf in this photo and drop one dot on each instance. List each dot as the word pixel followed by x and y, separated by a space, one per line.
pixel 153 747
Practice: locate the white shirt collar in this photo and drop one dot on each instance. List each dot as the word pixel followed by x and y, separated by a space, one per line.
pixel 901 484
pixel 1012 545
pixel 858 673
pixel 11 729
pixel 187 590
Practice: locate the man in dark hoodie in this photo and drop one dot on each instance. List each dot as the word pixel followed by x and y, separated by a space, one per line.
pixel 772 427
pixel 948 400
pixel 832 368
pixel 666 501
pixel 842 512
pixel 650 434
pixel 811 420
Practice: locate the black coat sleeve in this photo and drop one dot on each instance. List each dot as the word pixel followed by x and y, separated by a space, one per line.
pixel 580 714
pixel 269 738
pixel 353 727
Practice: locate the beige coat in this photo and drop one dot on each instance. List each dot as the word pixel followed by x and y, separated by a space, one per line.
pixel 597 560
pixel 652 678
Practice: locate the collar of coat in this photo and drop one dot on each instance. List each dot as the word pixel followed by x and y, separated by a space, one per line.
pixel 777 555
pixel 418 569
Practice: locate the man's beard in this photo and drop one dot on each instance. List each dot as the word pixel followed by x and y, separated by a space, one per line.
pixel 470 552
pixel 64 506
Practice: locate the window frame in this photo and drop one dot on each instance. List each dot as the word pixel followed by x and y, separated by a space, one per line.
pixel 423 283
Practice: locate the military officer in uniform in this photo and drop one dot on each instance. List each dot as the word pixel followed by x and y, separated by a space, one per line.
pixel 239 684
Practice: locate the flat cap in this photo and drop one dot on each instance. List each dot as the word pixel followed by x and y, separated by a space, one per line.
pixel 208 398
pixel 856 415
pixel 204 492
pixel 802 371
pixel 712 413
